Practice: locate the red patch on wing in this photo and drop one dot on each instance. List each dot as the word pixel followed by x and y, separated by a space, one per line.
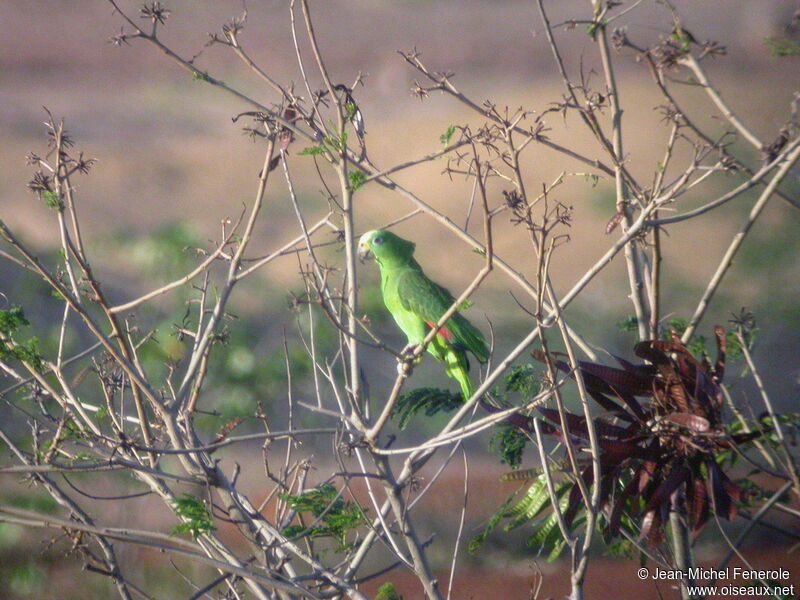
pixel 443 331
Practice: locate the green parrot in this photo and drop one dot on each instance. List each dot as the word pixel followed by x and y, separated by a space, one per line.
pixel 417 304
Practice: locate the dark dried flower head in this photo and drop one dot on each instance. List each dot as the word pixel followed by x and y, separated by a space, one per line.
pixel 771 151
pixel 233 27
pixel 619 38
pixel 670 113
pixel 119 39
pixel 668 54
pixel 744 320
pixel 286 136
pixel 53 138
pixel 513 199
pixel 84 164
pixel 728 162
pixel 262 117
pixel 713 48
pixel 40 183
pixel 419 92
pixel 562 214
pixel 154 12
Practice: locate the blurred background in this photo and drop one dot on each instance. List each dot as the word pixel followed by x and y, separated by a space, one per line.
pixel 171 165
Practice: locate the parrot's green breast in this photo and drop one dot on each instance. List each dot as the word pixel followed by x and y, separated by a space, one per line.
pixel 411 323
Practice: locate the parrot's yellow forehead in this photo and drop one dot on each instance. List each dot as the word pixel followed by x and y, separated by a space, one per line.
pixel 367 238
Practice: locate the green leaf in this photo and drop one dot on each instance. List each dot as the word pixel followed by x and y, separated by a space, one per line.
pixel 337 143
pixel 592 179
pixel 558 548
pixel 388 592
pixel 531 510
pixel 72 431
pixel 357 180
pixel 476 542
pixel 314 151
pixel 510 441
pixel 592 28
pixel 11 320
pixel 532 504
pixel 431 400
pixel 350 110
pixel 331 516
pixel 52 200
pixel 547 533
pixel 522 379
pixel 782 47
pixel 683 38
pixel 331 143
pixel 630 323
pixel 196 515
pixel 447 136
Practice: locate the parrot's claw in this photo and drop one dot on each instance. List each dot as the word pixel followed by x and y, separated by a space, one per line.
pixel 404 368
pixel 407 360
pixel 408 352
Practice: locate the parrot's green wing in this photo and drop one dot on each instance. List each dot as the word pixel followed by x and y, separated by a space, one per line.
pixel 429 301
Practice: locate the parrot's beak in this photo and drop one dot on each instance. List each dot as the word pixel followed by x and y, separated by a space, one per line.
pixel 363 251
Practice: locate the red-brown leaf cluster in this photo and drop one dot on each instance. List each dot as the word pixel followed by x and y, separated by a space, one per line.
pixel 658 438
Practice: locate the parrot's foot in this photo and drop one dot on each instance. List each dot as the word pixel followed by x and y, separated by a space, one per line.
pixel 404 368
pixel 407 353
pixel 407 360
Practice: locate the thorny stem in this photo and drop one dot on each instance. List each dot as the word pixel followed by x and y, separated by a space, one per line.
pixel 78 515
pixel 712 92
pixel 195 72
pixel 347 216
pixel 790 465
pixel 684 118
pixel 206 337
pixel 753 522
pixel 633 254
pixel 581 558
pixel 407 530
pixel 737 240
pixel 681 544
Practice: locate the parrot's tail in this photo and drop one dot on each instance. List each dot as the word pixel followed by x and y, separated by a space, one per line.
pixel 457 367
pixel 466 387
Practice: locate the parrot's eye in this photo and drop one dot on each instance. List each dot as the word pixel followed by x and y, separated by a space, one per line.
pixel 377 241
